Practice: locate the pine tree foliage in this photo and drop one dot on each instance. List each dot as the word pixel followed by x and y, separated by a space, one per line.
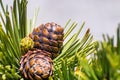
pixel 73 51
pixel 107 64
pixel 13 27
pixel 80 58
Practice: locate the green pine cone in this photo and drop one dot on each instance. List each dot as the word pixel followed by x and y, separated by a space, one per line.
pixel 26 44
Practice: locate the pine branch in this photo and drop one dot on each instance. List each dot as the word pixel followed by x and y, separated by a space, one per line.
pixel 73 49
pixel 13 27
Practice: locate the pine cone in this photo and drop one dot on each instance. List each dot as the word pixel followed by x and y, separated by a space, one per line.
pixel 26 44
pixel 48 37
pixel 36 65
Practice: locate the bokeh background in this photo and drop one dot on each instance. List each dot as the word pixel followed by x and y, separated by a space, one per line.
pixel 101 16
